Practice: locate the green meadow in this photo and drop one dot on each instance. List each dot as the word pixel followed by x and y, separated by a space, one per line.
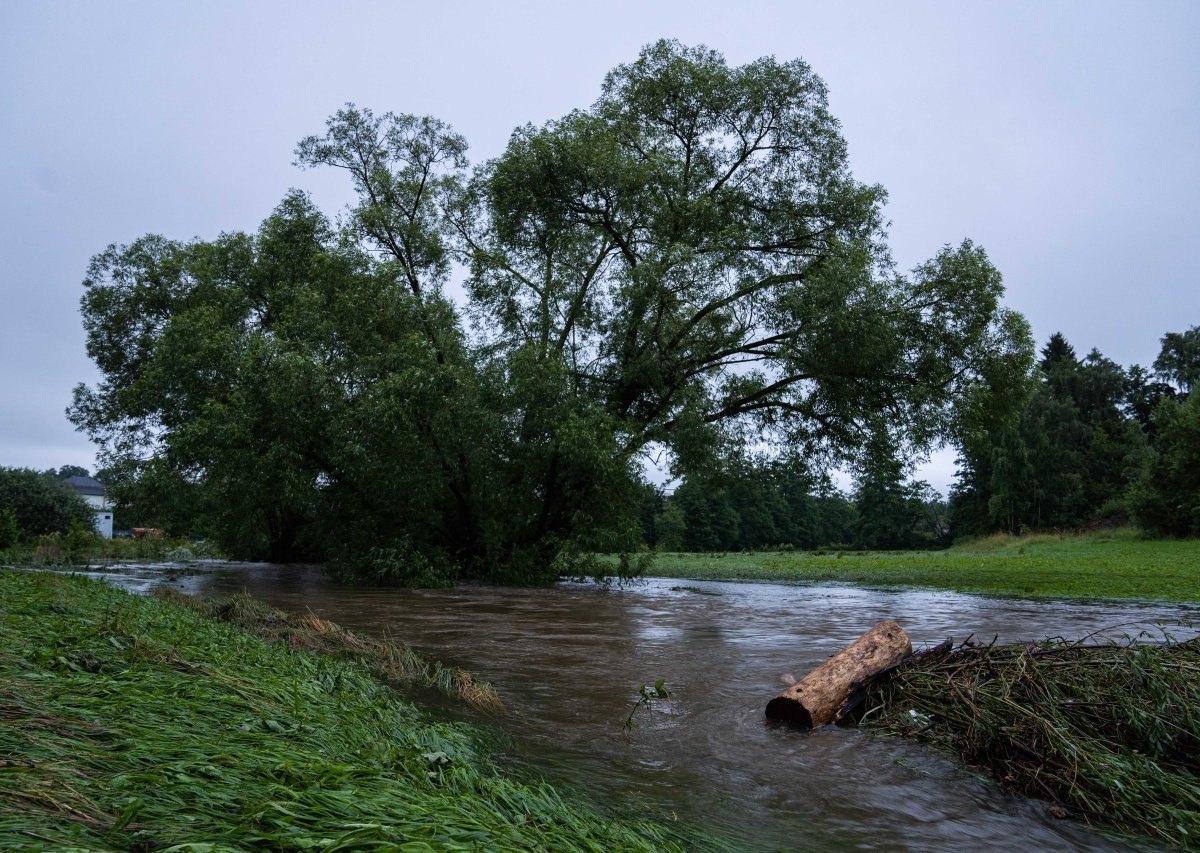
pixel 1112 564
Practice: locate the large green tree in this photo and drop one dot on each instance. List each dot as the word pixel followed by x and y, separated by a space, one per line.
pixel 686 265
pixel 269 389
pixel 693 258
pixel 695 251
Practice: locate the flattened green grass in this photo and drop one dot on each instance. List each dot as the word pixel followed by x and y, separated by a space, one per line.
pixel 1115 564
pixel 129 723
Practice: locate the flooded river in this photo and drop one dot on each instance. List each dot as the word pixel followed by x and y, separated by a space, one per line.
pixel 568 662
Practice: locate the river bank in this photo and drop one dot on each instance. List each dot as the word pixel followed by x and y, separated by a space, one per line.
pixel 1108 565
pixel 128 722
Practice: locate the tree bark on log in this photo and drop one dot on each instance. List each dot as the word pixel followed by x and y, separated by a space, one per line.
pixel 817 698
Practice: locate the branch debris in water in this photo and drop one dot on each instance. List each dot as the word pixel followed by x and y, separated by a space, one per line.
pixel 1109 732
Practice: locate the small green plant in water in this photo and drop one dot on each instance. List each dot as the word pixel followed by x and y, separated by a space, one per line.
pixel 646 698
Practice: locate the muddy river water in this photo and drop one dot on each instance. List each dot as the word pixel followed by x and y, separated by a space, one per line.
pixel 568 662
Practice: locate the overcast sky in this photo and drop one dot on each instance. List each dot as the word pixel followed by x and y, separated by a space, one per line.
pixel 1062 136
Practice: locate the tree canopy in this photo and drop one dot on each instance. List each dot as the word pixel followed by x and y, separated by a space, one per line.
pixel 1179 359
pixel 687 265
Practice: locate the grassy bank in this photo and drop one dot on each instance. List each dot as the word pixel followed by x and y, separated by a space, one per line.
pixel 1114 564
pixel 1108 733
pixel 387 659
pixel 135 723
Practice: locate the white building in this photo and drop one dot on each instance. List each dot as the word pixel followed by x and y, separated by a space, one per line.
pixel 93 492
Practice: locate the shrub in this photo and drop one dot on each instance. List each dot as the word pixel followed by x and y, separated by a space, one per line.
pixel 42 504
pixel 398 563
pixel 82 540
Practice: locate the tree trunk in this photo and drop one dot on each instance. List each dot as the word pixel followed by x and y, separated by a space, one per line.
pixel 817 699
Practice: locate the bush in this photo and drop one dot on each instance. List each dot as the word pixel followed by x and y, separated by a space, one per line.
pixel 42 504
pixel 82 540
pixel 1112 514
pixel 398 563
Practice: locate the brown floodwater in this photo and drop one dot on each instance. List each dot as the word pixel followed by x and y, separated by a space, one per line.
pixel 568 662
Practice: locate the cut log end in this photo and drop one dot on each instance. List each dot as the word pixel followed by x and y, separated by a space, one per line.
pixel 787 710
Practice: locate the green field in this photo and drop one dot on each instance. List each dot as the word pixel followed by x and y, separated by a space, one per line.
pixel 1113 564
pixel 130 723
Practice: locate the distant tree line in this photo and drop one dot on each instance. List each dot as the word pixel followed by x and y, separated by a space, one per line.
pixel 1093 444
pixel 771 505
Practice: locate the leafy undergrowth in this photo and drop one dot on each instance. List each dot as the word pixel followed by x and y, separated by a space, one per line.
pixel 1116 564
pixel 128 723
pixel 1109 733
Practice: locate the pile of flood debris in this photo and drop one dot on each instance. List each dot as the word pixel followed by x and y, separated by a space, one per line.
pixel 1107 731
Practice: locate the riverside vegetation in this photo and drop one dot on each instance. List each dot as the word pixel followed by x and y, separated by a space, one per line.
pixel 133 723
pixel 107 696
pixel 84 547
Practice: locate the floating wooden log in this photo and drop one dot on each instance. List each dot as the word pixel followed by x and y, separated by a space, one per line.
pixel 818 698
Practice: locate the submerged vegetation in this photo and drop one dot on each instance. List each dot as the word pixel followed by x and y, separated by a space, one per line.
pixel 1108 732
pixel 390 659
pixel 132 723
pixel 1109 564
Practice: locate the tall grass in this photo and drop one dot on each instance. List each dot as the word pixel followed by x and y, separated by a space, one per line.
pixel 128 723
